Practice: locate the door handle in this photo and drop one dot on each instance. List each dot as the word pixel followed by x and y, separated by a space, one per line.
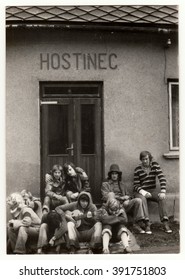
pixel 70 149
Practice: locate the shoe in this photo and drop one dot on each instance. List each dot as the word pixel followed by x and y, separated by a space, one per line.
pixel 138 229
pixel 167 229
pixel 89 251
pixel 106 251
pixel 147 228
pixel 127 250
pixel 57 249
pixel 72 250
pixel 39 251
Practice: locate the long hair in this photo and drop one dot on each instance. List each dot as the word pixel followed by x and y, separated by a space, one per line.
pixel 65 168
pixel 144 154
pixel 57 167
pixel 53 220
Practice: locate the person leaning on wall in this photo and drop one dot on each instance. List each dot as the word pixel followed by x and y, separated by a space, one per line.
pixel 145 188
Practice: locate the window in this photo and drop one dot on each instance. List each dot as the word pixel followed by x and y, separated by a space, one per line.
pixel 174 115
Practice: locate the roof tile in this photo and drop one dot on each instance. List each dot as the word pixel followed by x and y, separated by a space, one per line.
pixel 153 14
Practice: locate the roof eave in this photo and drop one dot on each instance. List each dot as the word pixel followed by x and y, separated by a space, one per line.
pixel 132 27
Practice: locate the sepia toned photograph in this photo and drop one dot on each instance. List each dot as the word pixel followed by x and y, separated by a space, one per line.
pixel 92 130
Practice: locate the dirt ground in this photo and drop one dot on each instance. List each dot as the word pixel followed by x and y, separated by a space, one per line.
pixel 159 241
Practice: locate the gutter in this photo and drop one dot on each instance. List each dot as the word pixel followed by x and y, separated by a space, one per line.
pixel 165 29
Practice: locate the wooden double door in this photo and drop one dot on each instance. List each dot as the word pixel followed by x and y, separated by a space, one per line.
pixel 71 131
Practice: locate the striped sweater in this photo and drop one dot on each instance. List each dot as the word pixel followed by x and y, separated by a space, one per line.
pixel 145 181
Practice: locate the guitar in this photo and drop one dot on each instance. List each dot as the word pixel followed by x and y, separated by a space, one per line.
pixel 77 215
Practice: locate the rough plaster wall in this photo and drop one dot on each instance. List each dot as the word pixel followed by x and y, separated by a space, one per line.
pixel 134 95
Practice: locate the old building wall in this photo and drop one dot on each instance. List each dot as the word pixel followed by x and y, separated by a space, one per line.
pixel 133 70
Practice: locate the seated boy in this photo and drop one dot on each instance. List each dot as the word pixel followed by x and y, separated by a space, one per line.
pixel 89 229
pixel 76 181
pixel 52 231
pixel 24 224
pixel 114 219
pixel 54 191
pixel 32 202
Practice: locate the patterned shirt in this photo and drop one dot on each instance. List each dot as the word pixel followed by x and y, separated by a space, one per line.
pixel 145 181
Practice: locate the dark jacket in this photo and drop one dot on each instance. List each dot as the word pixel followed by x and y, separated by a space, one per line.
pixel 108 187
pixel 86 223
pixel 54 186
pixel 77 183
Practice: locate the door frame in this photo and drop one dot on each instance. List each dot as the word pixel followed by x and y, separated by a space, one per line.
pixel 43 97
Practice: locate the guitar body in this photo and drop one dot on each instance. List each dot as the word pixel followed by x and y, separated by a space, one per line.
pixel 77 215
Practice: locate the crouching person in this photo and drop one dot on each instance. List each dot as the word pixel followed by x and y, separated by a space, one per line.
pixel 82 223
pixel 114 219
pixel 52 231
pixel 32 202
pixel 23 226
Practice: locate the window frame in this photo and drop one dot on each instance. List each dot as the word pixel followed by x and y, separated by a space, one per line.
pixel 170 83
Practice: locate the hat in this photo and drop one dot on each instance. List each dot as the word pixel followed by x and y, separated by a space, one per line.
pixel 114 168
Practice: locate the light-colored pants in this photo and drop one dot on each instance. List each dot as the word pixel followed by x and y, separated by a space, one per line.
pixel 93 235
pixel 43 236
pixel 161 205
pixel 19 237
pixel 135 207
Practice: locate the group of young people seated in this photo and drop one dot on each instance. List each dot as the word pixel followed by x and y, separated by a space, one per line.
pixel 69 216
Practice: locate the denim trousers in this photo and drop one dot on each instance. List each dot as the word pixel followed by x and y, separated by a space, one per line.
pixel 19 237
pixel 93 235
pixel 161 205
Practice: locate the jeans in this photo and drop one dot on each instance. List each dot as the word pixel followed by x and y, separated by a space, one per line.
pixel 19 237
pixel 135 206
pixel 93 235
pixel 161 205
pixel 51 203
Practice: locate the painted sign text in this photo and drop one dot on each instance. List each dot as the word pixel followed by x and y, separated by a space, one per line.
pixel 78 61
